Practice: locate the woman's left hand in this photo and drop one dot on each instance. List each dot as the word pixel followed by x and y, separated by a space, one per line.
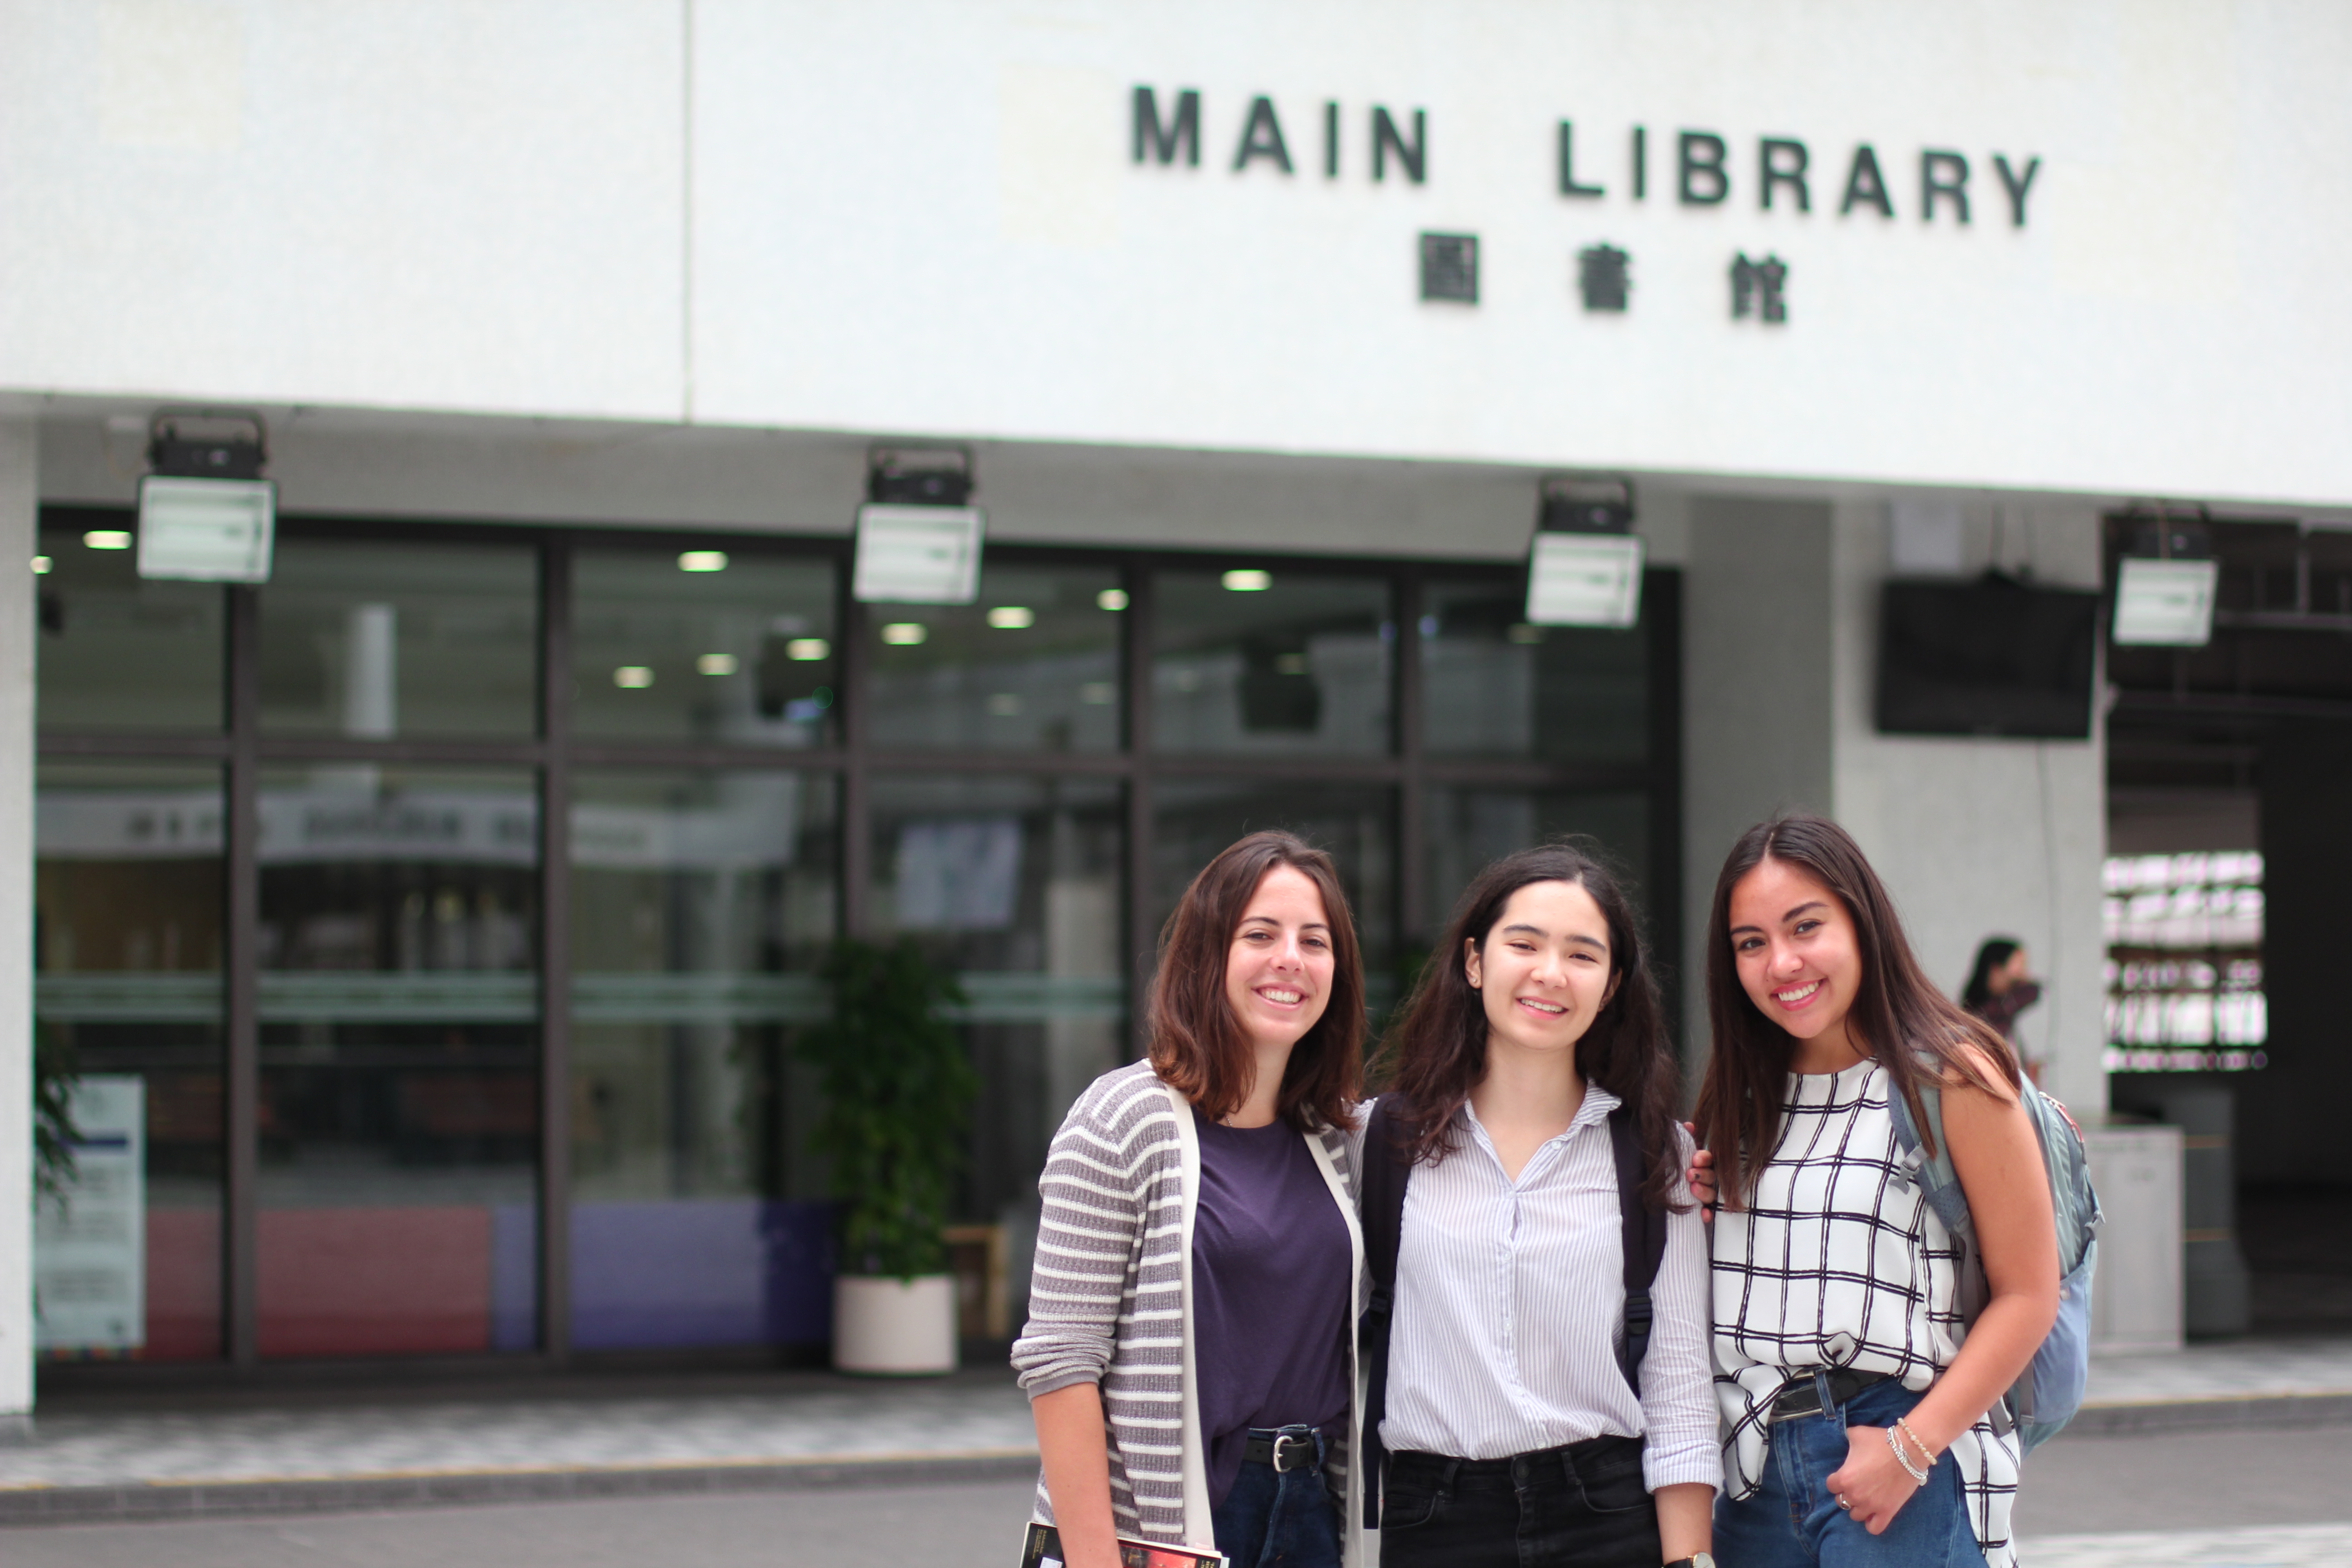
pixel 1873 1486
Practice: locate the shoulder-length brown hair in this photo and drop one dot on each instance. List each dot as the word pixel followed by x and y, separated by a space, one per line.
pixel 1897 1014
pixel 1198 1045
pixel 1436 1053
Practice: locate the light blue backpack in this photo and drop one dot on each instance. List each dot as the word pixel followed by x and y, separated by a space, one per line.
pixel 2047 1394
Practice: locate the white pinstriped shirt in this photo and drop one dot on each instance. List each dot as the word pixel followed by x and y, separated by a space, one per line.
pixel 1510 1306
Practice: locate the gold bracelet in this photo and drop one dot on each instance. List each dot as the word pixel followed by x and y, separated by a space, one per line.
pixel 1925 1452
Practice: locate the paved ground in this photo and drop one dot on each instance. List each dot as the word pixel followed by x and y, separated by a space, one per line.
pixel 777 1418
pixel 2226 1500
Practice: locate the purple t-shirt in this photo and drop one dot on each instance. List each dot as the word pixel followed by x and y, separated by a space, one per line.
pixel 1270 1266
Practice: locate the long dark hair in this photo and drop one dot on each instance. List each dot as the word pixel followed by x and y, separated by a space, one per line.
pixel 1897 1014
pixel 1436 1053
pixel 1996 952
pixel 1198 1048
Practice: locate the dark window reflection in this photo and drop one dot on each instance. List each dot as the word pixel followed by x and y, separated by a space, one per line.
pixel 704 644
pixel 1280 662
pixel 702 902
pixel 1356 823
pixel 127 996
pixel 1493 685
pixel 1015 882
pixel 1465 828
pixel 373 640
pixel 117 652
pixel 1032 666
pixel 399 998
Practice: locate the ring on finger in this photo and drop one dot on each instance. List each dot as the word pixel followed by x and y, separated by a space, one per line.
pixel 1843 1504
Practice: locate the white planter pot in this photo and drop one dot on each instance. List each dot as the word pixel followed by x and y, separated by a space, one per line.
pixel 899 1328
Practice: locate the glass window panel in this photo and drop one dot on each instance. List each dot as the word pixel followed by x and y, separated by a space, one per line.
pixel 127 994
pixel 378 640
pixel 1467 828
pixel 1492 686
pixel 399 997
pixel 700 903
pixel 118 652
pixel 1281 663
pixel 1016 883
pixel 1032 666
pixel 1195 818
pixel 729 645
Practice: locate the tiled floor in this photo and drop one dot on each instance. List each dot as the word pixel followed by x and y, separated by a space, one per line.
pixel 835 1419
pixel 2282 1546
pixel 807 1417
pixel 2230 1370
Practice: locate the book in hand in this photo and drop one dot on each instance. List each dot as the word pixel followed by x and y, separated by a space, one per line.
pixel 1044 1549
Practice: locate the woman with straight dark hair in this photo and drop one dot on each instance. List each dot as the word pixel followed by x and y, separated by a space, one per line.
pixel 1189 1352
pixel 1518 1436
pixel 1860 1424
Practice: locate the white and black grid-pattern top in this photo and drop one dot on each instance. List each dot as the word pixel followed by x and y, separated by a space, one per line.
pixel 1837 1260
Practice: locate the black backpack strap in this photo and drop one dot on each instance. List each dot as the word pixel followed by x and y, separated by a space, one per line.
pixel 1644 1232
pixel 1381 1190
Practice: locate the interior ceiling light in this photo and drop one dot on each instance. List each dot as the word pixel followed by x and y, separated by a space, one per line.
pixel 2166 585
pixel 107 538
pixel 1249 581
pixel 715 664
pixel 808 650
pixel 1584 564
pixel 205 514
pixel 1111 599
pixel 918 542
pixel 1011 617
pixel 702 560
pixel 632 676
pixel 904 633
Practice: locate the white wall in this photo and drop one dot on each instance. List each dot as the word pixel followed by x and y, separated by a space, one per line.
pixel 19 503
pixel 921 216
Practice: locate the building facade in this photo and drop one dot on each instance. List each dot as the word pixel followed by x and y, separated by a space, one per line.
pixel 438 912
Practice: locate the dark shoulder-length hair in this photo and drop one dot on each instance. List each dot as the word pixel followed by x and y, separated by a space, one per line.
pixel 1198 1045
pixel 1996 952
pixel 1436 1052
pixel 1897 1014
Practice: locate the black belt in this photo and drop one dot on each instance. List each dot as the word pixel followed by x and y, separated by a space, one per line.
pixel 1804 1397
pixel 1291 1448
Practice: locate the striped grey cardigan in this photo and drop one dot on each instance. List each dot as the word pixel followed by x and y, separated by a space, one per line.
pixel 1110 1300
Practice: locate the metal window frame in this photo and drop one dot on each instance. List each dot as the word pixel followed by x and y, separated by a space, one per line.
pixel 556 752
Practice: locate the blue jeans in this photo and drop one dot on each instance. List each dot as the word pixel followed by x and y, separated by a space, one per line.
pixel 1792 1522
pixel 1280 1520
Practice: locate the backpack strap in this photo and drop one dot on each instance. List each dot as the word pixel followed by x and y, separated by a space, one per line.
pixel 1938 1178
pixel 1645 1235
pixel 1387 1170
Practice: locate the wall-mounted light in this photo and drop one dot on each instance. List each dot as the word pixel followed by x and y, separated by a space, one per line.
pixel 2166 585
pixel 1584 566
pixel 205 514
pixel 918 542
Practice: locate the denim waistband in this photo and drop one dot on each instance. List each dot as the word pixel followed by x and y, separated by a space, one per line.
pixel 1577 1456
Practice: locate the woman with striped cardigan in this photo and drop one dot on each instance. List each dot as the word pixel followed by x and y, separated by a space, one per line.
pixel 1189 1352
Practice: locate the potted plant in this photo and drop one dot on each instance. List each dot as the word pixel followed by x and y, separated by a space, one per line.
pixel 897 1090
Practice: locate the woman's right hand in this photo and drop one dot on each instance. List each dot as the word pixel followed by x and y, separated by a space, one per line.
pixel 1701 1175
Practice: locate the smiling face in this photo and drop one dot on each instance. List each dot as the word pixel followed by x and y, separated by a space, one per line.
pixel 1800 959
pixel 1278 967
pixel 1543 972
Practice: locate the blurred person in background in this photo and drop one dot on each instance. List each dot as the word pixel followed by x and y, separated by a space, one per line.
pixel 2001 986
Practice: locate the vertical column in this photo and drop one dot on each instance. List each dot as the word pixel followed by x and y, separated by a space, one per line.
pixel 19 514
pixel 1757 710
pixel 241 1193
pixel 1142 936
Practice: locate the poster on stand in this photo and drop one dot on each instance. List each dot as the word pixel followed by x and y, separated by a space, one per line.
pixel 89 1275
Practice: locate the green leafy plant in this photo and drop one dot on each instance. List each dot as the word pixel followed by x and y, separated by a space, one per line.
pixel 54 1132
pixel 897 1089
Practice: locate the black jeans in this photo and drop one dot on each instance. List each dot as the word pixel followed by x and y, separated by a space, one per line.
pixel 1583 1506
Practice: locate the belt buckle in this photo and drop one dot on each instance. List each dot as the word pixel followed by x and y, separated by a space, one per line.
pixel 1285 1445
pixel 1800 1399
